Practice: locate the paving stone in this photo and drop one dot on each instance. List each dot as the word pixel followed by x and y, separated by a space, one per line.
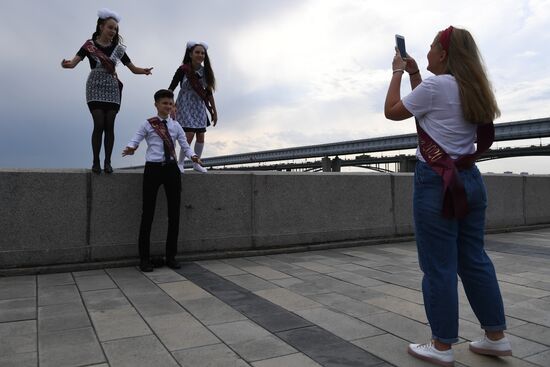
pixel 408 294
pixel 184 291
pixel 272 317
pixel 218 355
pixel 346 304
pixel 265 272
pixel 251 282
pixel 344 326
pixel 464 356
pixel 262 348
pixel 390 348
pixel 17 309
pixel 150 305
pixel 212 311
pixel 57 295
pixel 29 359
pixel 50 280
pixel 287 282
pixel 17 287
pixel 327 349
pixel 240 262
pixel 405 328
pixel 534 310
pixel 102 300
pixel 523 348
pixel 141 351
pixel 164 275
pixel 316 267
pixel 221 268
pixel 64 316
pixel 17 337
pixel 526 292
pixel 356 279
pixel 536 333
pixel 541 285
pixel 287 299
pixel 181 331
pixel 118 323
pixel 78 347
pixel 514 279
pixel 94 282
pixel 530 275
pixel 399 306
pixel 238 331
pixel 87 273
pixel 319 284
pixel 541 359
pixel 469 330
pixel 292 360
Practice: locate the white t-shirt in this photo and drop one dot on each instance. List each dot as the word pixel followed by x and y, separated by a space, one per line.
pixel 436 105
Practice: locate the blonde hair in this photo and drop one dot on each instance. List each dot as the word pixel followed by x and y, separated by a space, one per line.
pixel 464 62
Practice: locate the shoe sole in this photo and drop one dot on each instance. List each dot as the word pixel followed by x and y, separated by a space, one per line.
pixel 491 352
pixel 430 359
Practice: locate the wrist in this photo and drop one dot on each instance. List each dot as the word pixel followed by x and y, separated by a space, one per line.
pixel 398 71
pixel 415 72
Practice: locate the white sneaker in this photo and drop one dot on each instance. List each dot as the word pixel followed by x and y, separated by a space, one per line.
pixel 197 167
pixel 429 353
pixel 501 347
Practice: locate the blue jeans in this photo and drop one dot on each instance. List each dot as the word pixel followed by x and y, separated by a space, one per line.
pixel 447 247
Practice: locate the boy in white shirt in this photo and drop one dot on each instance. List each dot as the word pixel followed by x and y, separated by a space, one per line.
pixel 161 168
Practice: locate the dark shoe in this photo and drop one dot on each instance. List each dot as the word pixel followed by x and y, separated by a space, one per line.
pixel 107 168
pixel 96 168
pixel 173 264
pixel 146 266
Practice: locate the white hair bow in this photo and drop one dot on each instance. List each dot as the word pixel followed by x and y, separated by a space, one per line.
pixel 193 44
pixel 105 13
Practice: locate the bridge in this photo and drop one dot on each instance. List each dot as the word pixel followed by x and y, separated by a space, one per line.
pixel 516 130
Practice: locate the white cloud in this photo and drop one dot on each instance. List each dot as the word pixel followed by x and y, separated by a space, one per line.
pixel 289 72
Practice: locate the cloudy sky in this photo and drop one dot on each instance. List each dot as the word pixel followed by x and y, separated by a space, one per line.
pixel 289 72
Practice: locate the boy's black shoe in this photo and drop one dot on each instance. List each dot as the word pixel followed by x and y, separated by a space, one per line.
pixel 173 264
pixel 146 266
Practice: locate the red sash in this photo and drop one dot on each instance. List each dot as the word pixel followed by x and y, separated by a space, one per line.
pixel 162 131
pixel 455 203
pixel 197 86
pixel 107 63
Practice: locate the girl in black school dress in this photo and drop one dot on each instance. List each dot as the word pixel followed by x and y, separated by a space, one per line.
pixel 197 84
pixel 103 88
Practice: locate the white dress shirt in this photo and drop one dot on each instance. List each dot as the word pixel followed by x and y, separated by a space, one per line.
pixel 155 144
pixel 436 104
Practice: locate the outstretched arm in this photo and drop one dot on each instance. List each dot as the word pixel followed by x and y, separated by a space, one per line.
pixel 69 64
pixel 137 70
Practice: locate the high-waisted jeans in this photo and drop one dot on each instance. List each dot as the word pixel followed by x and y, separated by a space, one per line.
pixel 447 247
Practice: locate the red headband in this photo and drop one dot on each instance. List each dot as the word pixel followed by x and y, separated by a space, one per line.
pixel 445 38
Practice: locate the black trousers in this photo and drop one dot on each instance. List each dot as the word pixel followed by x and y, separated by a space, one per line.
pixel 154 176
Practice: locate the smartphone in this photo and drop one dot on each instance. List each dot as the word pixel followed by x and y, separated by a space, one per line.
pixel 400 43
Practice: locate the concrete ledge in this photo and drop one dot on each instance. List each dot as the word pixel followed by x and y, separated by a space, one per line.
pixel 73 217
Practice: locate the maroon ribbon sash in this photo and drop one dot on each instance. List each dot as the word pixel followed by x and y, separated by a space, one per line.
pixel 203 93
pixel 455 202
pixel 162 131
pixel 107 63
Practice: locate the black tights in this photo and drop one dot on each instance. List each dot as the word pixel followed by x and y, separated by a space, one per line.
pixel 104 121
